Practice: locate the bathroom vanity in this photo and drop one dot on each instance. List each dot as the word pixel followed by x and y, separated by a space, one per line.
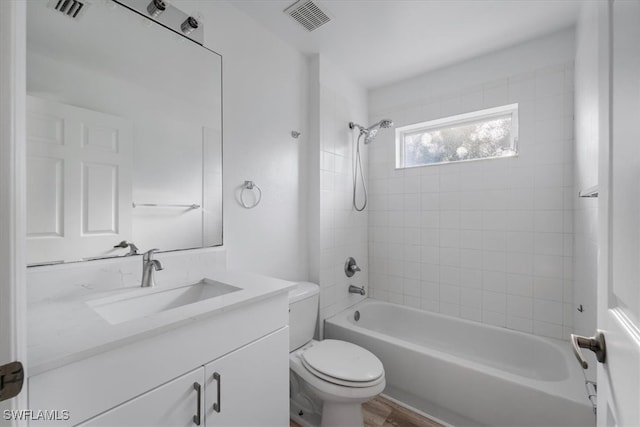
pixel 203 363
pixel 120 157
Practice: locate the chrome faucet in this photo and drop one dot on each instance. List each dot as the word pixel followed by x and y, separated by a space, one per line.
pixel 148 266
pixel 356 290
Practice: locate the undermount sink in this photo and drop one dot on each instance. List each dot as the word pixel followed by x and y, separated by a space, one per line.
pixel 143 303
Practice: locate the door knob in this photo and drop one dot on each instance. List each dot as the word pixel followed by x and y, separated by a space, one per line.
pixel 595 344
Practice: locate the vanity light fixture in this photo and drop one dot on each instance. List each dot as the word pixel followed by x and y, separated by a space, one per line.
pixel 156 7
pixel 166 14
pixel 189 25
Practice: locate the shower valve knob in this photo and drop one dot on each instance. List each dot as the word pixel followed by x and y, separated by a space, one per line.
pixel 350 267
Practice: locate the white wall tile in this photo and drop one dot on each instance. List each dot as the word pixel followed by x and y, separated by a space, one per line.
pixel 472 99
pixel 471 278
pixel 549 288
pixel 494 302
pixel 520 241
pixel 450 238
pixel 496 93
pixel 471 298
pixel 494 238
pixel 471 258
pixel 471 313
pixel 549 243
pixel 449 275
pixel 518 306
pixel 449 309
pixel 550 81
pixel 547 329
pixel 471 220
pixel 520 324
pixel 548 311
pixel 519 284
pixel 450 201
pixel 522 87
pixel 450 256
pixel 471 239
pixel 493 318
pixel 494 281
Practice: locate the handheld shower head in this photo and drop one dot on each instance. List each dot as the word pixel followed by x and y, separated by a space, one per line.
pixel 383 124
pixel 371 132
pixel 369 135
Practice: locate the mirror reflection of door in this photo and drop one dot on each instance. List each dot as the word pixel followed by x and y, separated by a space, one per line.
pixel 79 181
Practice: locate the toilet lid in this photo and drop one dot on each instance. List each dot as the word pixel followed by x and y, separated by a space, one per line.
pixel 343 361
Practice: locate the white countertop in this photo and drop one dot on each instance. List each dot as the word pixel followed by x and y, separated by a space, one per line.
pixel 65 328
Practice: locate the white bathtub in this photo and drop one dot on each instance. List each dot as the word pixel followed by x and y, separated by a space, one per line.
pixel 467 373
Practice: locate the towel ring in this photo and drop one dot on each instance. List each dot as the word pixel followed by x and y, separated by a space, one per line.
pixel 250 185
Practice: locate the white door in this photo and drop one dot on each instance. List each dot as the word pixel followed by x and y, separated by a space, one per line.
pixel 78 182
pixel 619 228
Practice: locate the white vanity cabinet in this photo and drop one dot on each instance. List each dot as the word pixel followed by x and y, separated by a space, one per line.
pixel 173 404
pixel 243 388
pixel 247 387
pixel 150 381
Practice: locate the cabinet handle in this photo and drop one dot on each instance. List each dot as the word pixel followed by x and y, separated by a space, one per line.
pixel 216 405
pixel 198 388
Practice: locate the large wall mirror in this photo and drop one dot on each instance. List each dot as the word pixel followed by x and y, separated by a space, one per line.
pixel 124 136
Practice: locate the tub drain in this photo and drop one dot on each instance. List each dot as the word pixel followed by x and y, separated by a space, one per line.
pixel 356 315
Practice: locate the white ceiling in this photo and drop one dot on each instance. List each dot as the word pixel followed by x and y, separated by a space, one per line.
pixel 381 41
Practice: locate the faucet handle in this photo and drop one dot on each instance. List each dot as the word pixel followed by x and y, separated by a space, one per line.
pixel 350 267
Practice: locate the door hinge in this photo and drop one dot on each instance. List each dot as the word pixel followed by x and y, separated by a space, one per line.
pixel 11 380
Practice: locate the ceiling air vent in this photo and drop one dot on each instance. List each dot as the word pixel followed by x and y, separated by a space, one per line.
pixel 308 14
pixel 71 8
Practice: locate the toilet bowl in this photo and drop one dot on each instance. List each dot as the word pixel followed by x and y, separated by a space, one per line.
pixel 330 379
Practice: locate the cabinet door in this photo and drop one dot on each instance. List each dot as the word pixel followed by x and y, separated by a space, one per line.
pixel 175 403
pixel 250 386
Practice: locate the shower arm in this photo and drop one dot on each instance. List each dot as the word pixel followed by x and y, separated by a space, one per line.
pixel 362 129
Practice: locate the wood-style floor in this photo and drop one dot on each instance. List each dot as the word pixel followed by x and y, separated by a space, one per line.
pixel 381 412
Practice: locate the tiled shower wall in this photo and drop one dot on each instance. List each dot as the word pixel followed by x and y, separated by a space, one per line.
pixel 492 240
pixel 343 231
pixel 587 110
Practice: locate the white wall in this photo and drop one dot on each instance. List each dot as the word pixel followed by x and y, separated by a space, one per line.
pixel 342 230
pixel 264 99
pixel 587 103
pixel 490 241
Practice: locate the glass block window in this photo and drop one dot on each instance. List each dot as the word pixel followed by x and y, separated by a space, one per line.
pixel 483 134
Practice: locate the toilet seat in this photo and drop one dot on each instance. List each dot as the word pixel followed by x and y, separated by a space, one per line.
pixel 327 390
pixel 343 363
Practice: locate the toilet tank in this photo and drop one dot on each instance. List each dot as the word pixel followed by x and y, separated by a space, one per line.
pixel 303 312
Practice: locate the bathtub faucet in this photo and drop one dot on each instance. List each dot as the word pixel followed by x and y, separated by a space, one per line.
pixel 356 290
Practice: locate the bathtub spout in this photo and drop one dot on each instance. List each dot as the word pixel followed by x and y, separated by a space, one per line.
pixel 356 290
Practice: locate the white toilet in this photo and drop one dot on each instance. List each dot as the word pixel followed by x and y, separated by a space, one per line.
pixel 330 379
